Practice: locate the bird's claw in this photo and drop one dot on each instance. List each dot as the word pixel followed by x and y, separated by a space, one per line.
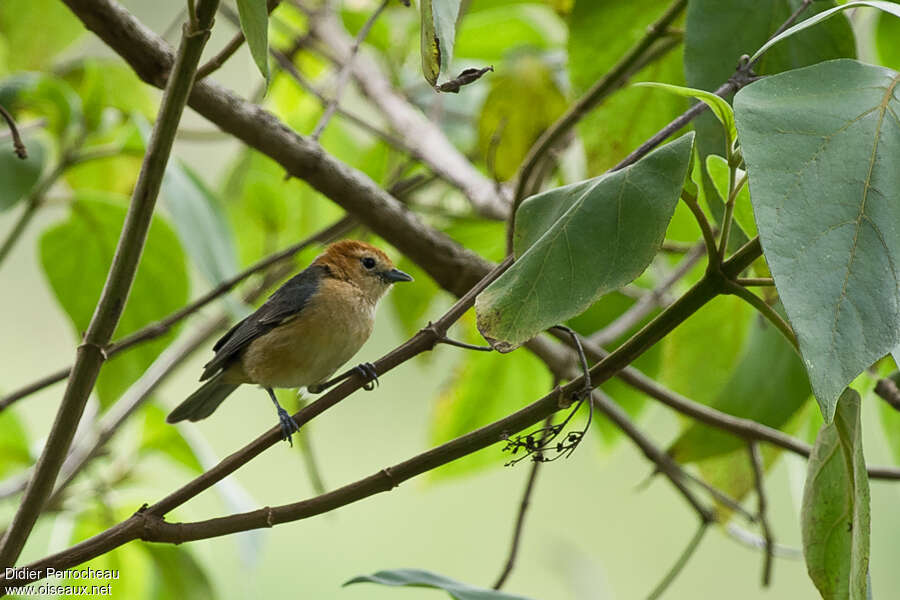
pixel 288 425
pixel 368 372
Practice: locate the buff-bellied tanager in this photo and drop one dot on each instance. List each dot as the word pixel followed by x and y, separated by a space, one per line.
pixel 302 334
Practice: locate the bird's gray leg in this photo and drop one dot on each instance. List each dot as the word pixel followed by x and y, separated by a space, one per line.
pixel 288 424
pixel 366 370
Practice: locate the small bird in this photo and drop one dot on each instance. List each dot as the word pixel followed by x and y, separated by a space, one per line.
pixel 302 334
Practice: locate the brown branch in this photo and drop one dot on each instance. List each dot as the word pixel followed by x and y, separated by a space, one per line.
pixel 163 326
pixel 344 72
pixel 18 145
pixel 756 463
pixel 90 355
pixel 886 389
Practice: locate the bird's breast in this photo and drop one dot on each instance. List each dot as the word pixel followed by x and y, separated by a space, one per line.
pixel 311 346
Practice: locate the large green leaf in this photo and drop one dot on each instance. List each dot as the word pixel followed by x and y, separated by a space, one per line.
pixel 835 517
pixel 489 34
pixel 822 147
pixel 18 176
pixel 178 574
pixel 426 579
pixel 159 436
pixel 580 241
pixel 254 17
pixel 437 36
pixel 887 32
pixel 523 101
pixel 768 385
pixel 76 255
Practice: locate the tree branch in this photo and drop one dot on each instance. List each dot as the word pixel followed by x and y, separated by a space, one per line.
pixel 756 464
pixel 18 145
pixel 90 355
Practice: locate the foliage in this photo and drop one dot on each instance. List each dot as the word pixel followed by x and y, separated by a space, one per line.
pixel 794 179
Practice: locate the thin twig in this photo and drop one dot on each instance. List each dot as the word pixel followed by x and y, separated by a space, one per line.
pixel 229 49
pixel 756 463
pixel 767 311
pixel 346 69
pixel 709 237
pixel 520 518
pixel 886 388
pixel 18 144
pixel 679 565
pixel 164 325
pixel 755 281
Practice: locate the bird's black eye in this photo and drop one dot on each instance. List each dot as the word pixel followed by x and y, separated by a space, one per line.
pixel 368 262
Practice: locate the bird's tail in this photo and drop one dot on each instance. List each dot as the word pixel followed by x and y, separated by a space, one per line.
pixel 203 402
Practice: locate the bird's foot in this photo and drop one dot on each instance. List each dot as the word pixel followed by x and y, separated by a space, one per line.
pixel 288 425
pixel 369 374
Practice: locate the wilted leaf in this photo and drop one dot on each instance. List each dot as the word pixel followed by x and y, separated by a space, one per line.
pixel 254 17
pixel 835 518
pixel 580 241
pixel 426 579
pixel 437 36
pixel 821 145
pixel 76 255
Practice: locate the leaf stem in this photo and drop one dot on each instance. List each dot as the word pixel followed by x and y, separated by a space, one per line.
pixel 682 561
pixel 709 237
pixel 767 311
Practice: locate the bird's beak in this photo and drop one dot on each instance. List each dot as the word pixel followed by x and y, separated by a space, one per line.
pixel 395 275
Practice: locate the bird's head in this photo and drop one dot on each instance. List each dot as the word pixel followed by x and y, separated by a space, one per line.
pixel 362 265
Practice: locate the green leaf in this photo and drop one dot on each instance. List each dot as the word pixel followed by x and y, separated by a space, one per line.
pixel 411 303
pixel 178 573
pixel 103 84
pixel 835 518
pixel 709 342
pixel 580 241
pixel 159 436
pixel 40 95
pixel 35 31
pixel 255 24
pixel 888 7
pixel 489 34
pixel 719 107
pixel 523 101
pixel 487 386
pixel 821 145
pixel 18 176
pixel 426 579
pixel 631 115
pixel 887 32
pixel 768 385
pixel 76 255
pixel 717 168
pixel 437 36
pixel 201 223
pixel 14 453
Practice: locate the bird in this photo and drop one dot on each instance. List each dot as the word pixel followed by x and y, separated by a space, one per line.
pixel 302 334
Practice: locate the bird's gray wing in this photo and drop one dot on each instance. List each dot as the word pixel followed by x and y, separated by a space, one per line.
pixel 285 303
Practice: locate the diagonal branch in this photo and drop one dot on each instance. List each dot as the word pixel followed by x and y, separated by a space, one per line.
pixel 90 354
